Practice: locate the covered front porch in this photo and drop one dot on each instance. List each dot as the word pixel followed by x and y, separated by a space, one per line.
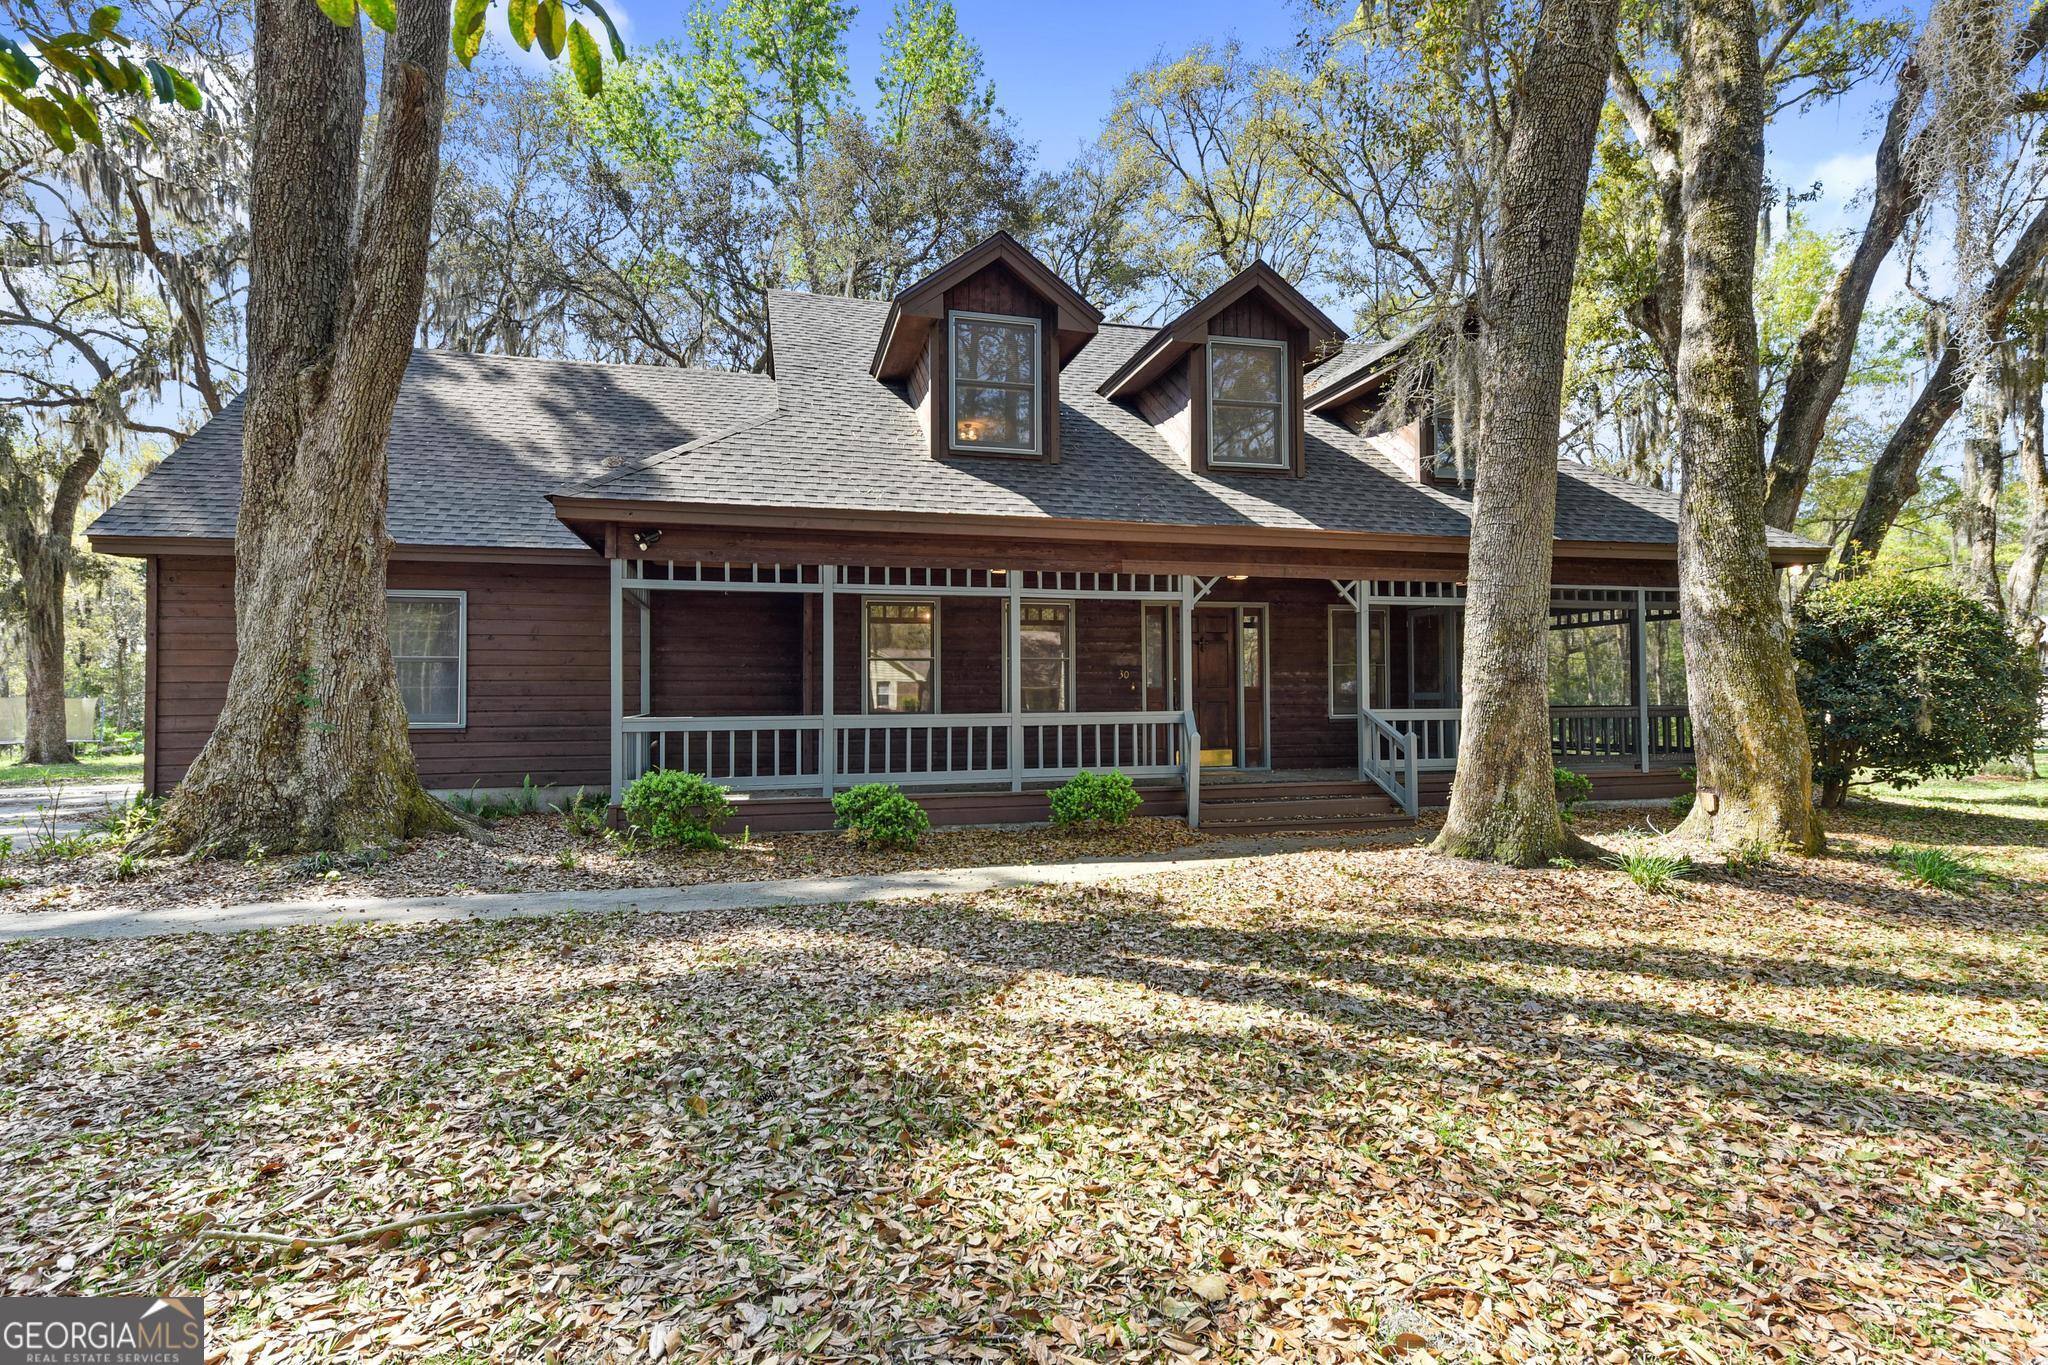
pixel 979 685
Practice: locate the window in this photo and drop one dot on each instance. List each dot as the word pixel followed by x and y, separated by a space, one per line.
pixel 1248 404
pixel 1046 661
pixel 1443 444
pixel 1160 663
pixel 901 643
pixel 994 371
pixel 1343 662
pixel 429 634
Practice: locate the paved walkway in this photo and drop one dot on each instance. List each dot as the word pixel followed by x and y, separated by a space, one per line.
pixel 29 812
pixel 665 900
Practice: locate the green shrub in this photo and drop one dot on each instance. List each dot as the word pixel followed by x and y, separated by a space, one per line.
pixel 1102 799
pixel 1907 678
pixel 679 808
pixel 1681 804
pixel 1572 790
pixel 1752 855
pixel 1933 867
pixel 1653 872
pixel 127 820
pixel 880 816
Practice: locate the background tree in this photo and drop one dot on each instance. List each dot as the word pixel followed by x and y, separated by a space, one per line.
pixel 118 295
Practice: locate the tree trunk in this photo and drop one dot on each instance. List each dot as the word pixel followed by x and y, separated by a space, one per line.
pixel 1895 473
pixel 2023 584
pixel 43 573
pixel 1983 482
pixel 311 748
pixel 1504 801
pixel 38 518
pixel 1755 765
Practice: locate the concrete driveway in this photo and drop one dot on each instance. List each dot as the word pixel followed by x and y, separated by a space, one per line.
pixel 26 813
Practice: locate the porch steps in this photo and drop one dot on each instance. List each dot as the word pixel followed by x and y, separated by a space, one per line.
pixel 1314 807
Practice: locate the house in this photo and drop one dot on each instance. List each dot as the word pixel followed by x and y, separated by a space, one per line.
pixel 970 540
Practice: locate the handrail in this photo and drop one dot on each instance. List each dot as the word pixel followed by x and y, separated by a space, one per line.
pixel 1399 783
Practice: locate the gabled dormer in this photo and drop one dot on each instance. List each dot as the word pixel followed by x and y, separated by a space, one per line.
pixel 979 344
pixel 1384 393
pixel 1223 381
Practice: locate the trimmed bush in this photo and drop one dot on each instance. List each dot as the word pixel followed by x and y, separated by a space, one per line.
pixel 1105 800
pixel 879 815
pixel 1572 790
pixel 677 808
pixel 1906 678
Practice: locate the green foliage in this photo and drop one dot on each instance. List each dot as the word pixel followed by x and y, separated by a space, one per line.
pixel 880 816
pixel 1905 677
pixel 54 89
pixel 929 67
pixel 1934 867
pixel 1102 799
pixel 584 814
pixel 121 823
pixel 1655 873
pixel 680 808
pixel 1752 855
pixel 1573 789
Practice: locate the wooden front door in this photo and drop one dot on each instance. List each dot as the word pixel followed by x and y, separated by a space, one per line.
pixel 1215 642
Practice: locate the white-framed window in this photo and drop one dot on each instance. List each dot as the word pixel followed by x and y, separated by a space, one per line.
pixel 429 635
pixel 1248 403
pixel 900 650
pixel 994 392
pixel 1046 660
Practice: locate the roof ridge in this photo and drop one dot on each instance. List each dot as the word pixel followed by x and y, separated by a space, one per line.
pixel 447 352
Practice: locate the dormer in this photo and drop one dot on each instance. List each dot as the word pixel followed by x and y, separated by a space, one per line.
pixel 978 346
pixel 1378 391
pixel 1223 381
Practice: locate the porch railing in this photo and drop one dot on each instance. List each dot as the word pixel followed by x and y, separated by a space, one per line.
pixel 1386 755
pixel 770 753
pixel 1432 734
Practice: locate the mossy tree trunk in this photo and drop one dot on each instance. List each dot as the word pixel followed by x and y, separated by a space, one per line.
pixel 1503 802
pixel 2023 583
pixel 311 747
pixel 1755 765
pixel 38 516
pixel 1983 483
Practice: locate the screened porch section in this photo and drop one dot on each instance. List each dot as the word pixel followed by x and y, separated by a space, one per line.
pixel 1617 675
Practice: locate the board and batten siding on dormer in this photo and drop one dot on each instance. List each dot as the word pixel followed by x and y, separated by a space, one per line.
pixel 1169 407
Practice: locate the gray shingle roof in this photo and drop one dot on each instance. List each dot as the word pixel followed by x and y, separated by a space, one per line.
pixel 840 440
pixel 477 444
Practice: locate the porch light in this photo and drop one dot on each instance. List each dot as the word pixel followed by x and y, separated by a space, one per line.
pixel 1237 577
pixel 647 539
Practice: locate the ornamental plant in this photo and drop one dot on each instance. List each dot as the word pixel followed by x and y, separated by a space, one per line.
pixel 673 807
pixel 1904 678
pixel 879 815
pixel 1573 789
pixel 1105 800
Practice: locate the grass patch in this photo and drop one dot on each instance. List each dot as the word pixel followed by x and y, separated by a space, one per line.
pixel 1935 867
pixel 89 768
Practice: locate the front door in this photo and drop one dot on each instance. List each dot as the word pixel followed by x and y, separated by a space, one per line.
pixel 1215 642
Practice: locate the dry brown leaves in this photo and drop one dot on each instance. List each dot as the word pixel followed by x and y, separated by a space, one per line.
pixel 527 855
pixel 1320 1106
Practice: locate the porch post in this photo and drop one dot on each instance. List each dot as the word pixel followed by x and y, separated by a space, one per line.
pixel 1014 667
pixel 618 703
pixel 1363 641
pixel 1187 700
pixel 1643 679
pixel 828 740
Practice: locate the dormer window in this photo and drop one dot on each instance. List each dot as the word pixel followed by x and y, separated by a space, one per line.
pixel 1248 403
pixel 995 377
pixel 1443 445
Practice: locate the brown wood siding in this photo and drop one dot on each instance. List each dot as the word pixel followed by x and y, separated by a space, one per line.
pixel 1303 735
pixel 728 654
pixel 538 681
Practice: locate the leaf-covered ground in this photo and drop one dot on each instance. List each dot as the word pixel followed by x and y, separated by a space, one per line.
pixel 1325 1105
